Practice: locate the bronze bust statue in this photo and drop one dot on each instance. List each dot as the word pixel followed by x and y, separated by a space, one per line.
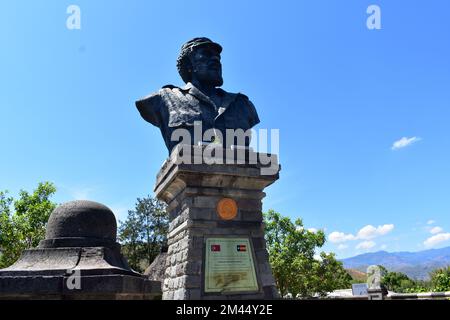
pixel 201 100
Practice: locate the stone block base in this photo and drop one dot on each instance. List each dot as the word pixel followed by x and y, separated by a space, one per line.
pixel 193 192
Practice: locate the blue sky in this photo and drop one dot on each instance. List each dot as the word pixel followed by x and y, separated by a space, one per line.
pixel 340 94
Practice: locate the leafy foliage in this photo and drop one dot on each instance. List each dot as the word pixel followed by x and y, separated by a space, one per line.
pixel 292 257
pixel 144 232
pixel 398 282
pixel 440 279
pixel 419 286
pixel 401 283
pixel 24 226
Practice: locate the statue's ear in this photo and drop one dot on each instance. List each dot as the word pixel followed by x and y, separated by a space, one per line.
pixel 187 69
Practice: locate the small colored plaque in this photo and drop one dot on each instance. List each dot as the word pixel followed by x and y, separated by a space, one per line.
pixel 227 209
pixel 229 266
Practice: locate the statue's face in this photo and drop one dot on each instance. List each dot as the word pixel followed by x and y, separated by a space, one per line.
pixel 206 66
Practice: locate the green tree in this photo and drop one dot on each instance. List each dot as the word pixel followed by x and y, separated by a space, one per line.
pixel 440 279
pixel 419 287
pixel 292 257
pixel 401 283
pixel 398 282
pixel 23 221
pixel 383 270
pixel 144 232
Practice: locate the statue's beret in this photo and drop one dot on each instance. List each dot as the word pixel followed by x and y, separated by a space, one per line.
pixel 202 41
pixel 187 48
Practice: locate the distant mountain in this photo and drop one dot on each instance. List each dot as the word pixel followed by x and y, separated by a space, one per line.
pixel 357 275
pixel 417 265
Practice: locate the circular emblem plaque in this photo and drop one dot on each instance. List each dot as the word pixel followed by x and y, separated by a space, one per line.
pixel 227 209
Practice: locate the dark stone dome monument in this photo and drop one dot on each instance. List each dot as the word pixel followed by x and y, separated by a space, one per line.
pixel 79 259
pixel 80 223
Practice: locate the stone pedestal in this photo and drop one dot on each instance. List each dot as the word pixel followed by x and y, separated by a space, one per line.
pixel 193 191
pixel 376 294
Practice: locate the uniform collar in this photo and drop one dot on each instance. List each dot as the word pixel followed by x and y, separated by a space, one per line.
pixel 198 94
pixel 227 98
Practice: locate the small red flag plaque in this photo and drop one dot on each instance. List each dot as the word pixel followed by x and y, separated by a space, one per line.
pixel 215 247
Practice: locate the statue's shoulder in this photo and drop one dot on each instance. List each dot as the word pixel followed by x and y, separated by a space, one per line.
pixel 170 89
pixel 244 99
pixel 151 107
pixel 238 97
pixel 169 86
pixel 170 92
pixel 155 99
pixel 152 98
pixel 243 96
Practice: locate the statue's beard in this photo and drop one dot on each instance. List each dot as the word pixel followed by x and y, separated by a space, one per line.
pixel 218 81
pixel 213 79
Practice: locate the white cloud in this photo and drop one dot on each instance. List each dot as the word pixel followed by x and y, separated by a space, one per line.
pixel 436 239
pixel 365 245
pixel 337 237
pixel 436 230
pixel 430 221
pixel 404 142
pixel 370 232
pixel 342 246
pixel 383 246
pixel 317 257
pixel 365 233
